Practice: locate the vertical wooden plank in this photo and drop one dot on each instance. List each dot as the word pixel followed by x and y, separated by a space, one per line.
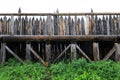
pixel 79 30
pixel 108 26
pixel 115 19
pixel 26 25
pixel 44 27
pixel 48 24
pixel 111 24
pixel 28 53
pixel 48 53
pixel 32 27
pixel 61 26
pixel 104 25
pixel 69 27
pixel 15 27
pixel 96 51
pixel 87 25
pixel 12 25
pixel 40 27
pixel 100 26
pixel 1 26
pixel 23 26
pixel 66 26
pixel 96 26
pixel 7 26
pixel 20 21
pixel 77 26
pixel 119 24
pixel 28 32
pixel 3 52
pixel 74 25
pixel 56 20
pixel 4 27
pixel 36 26
pixel 48 45
pixel 92 22
pixel 73 52
pixel 83 26
pixel 52 26
pixel 73 47
pixel 117 53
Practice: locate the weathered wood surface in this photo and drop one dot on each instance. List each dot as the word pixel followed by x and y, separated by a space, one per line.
pixel 96 51
pixel 21 38
pixel 55 33
pixel 117 53
pixel 28 52
pixel 59 25
pixel 3 52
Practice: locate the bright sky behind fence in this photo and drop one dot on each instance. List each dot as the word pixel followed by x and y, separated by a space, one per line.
pixel 42 6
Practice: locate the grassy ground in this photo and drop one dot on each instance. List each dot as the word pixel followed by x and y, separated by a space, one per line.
pixel 77 70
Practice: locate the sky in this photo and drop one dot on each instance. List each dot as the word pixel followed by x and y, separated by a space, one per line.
pixel 67 6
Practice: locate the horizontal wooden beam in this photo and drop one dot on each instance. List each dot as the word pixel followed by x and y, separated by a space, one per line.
pixel 59 14
pixel 96 38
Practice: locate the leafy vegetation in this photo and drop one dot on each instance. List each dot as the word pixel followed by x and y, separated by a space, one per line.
pixel 76 70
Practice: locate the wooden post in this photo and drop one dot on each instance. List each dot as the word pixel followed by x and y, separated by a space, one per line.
pixel 28 53
pixel 117 53
pixel 4 26
pixel 96 51
pixel 12 25
pixel 87 25
pixel 3 52
pixel 48 53
pixel 20 23
pixel 73 52
pixel 108 26
pixel 73 45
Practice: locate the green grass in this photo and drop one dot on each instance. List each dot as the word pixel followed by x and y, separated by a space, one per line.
pixel 77 70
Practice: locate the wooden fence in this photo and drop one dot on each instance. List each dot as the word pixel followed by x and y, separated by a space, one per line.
pixel 49 37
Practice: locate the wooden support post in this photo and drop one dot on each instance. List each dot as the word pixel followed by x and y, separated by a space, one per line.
pixel 48 53
pixel 12 25
pixel 28 53
pixel 117 53
pixel 73 52
pixel 3 52
pixel 87 25
pixel 20 21
pixel 96 51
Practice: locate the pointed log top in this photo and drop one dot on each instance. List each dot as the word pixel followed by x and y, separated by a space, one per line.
pixel 91 10
pixel 19 10
pixel 57 11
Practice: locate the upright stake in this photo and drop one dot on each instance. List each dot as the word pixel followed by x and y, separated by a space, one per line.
pixel 19 18
pixel 117 53
pixel 3 52
pixel 48 53
pixel 73 52
pixel 28 53
pixel 12 25
pixel 96 51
